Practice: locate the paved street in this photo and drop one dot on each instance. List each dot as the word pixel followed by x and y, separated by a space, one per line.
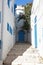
pixel 23 54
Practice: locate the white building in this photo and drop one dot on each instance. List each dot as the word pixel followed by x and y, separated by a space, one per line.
pixel 20 23
pixel 7 39
pixel 37 25
pixel 21 35
pixel 20 9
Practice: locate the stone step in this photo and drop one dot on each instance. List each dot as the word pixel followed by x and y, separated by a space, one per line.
pixel 25 59
pixel 30 64
pixel 23 55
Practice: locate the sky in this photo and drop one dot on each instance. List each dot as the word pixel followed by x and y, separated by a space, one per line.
pixel 22 2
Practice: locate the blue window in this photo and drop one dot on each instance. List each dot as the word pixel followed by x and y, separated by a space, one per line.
pixel 0 17
pixel 7 26
pixel 15 8
pixel 9 3
pixel 10 30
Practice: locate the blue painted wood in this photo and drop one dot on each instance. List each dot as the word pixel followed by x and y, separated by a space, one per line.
pixel 9 3
pixel 7 26
pixel 35 35
pixel 15 6
pixel 35 32
pixel 10 30
pixel 21 36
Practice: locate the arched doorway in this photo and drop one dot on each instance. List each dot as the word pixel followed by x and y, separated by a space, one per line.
pixel 21 36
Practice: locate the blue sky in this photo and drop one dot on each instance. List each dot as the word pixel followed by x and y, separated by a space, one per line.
pixel 22 2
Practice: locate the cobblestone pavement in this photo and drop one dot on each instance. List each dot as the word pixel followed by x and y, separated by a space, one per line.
pixel 23 54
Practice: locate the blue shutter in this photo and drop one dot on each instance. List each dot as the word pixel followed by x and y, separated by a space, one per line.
pixel 35 31
pixel 9 3
pixel 10 30
pixel 15 8
pixel 7 26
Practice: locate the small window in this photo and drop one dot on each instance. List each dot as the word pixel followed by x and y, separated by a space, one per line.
pixel 9 29
pixel 7 26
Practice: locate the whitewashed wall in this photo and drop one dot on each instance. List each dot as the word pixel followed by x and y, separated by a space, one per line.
pixel 41 28
pixel 0 30
pixel 32 30
pixel 37 10
pixel 34 13
pixel 8 39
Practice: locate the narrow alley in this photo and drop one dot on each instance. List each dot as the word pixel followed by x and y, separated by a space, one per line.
pixel 17 50
pixel 23 54
pixel 21 32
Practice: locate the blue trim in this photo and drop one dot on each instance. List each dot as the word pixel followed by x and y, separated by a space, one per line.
pixel 35 32
pixel 15 6
pixel 9 3
pixel 35 28
pixel 9 29
pixel 35 19
pixel 0 44
pixel 7 26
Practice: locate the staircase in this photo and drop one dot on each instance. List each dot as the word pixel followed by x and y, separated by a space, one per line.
pixel 29 57
pixel 17 50
pixel 23 54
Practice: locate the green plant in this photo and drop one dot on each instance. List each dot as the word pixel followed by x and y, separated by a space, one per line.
pixel 26 26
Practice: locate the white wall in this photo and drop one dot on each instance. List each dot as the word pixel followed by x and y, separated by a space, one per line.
pixel 0 29
pixel 20 9
pixel 37 10
pixel 8 39
pixel 34 12
pixel 35 5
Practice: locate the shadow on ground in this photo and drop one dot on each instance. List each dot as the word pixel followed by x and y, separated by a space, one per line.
pixel 17 50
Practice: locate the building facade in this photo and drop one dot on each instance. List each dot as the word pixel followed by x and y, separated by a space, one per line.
pixel 7 37
pixel 19 32
pixel 37 25
pixel 20 9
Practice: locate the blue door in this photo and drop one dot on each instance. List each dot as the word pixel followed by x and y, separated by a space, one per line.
pixel 35 31
pixel 21 36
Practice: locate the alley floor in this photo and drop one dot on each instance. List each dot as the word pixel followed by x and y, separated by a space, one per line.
pixel 23 54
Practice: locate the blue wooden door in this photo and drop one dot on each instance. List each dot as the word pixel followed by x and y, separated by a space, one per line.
pixel 21 36
pixel 35 32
